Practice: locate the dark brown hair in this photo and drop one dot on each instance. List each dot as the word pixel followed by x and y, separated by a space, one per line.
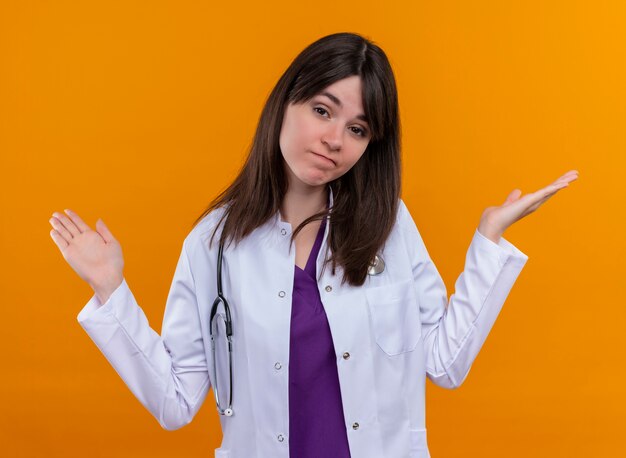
pixel 366 197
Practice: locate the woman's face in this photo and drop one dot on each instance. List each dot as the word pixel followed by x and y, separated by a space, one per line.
pixel 321 139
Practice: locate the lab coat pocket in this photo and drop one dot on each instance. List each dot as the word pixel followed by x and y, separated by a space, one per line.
pixel 395 316
pixel 221 453
pixel 419 447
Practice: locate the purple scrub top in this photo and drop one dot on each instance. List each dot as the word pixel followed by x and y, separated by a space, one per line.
pixel 316 423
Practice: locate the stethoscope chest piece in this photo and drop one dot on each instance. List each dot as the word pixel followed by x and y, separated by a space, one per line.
pixel 377 266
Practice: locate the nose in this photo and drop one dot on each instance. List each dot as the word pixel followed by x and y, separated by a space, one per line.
pixel 333 136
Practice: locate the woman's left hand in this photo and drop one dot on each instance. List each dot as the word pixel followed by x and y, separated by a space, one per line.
pixel 495 220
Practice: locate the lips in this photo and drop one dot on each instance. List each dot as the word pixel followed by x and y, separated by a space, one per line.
pixel 327 158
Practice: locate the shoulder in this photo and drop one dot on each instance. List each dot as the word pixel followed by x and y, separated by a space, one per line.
pixel 199 236
pixel 404 219
pixel 410 234
pixel 402 210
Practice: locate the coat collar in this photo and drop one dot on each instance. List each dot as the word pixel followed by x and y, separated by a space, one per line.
pixel 276 231
pixel 276 221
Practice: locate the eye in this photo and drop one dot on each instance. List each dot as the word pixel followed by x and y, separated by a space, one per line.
pixel 360 132
pixel 320 108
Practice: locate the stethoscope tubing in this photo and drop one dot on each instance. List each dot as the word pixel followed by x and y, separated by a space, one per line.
pixel 229 332
pixel 376 267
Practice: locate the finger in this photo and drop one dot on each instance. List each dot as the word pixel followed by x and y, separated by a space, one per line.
pixel 67 223
pixel 530 202
pixel 537 204
pixel 60 241
pixel 61 230
pixel 570 172
pixel 104 231
pixel 513 196
pixel 557 186
pixel 552 188
pixel 572 177
pixel 568 177
pixel 564 179
pixel 549 194
pixel 533 200
pixel 82 226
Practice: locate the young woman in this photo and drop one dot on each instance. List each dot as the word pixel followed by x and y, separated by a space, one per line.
pixel 337 313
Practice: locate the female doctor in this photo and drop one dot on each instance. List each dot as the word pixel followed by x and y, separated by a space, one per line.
pixel 337 312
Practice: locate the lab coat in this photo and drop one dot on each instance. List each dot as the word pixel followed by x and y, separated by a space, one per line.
pixel 389 335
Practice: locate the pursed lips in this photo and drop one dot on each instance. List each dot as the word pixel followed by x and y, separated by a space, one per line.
pixel 327 158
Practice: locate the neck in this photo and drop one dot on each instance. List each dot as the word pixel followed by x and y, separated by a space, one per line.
pixel 299 204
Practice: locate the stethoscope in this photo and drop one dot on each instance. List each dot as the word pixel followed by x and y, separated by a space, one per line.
pixel 228 411
pixel 376 267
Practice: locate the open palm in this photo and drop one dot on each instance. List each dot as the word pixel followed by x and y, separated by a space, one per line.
pixel 96 256
pixel 495 220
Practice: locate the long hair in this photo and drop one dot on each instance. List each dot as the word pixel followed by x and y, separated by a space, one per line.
pixel 366 197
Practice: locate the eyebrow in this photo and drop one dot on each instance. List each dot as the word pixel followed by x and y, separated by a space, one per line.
pixel 337 102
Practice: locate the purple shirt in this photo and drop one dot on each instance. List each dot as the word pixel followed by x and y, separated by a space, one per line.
pixel 316 423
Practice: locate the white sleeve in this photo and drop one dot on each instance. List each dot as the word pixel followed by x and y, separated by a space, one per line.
pixel 454 332
pixel 168 374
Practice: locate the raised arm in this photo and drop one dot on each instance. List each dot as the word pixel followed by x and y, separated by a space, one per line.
pixel 454 331
pixel 168 374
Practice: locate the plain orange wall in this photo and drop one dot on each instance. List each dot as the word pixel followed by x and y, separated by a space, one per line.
pixel 141 112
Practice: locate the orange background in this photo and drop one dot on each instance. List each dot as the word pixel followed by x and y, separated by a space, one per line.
pixel 141 112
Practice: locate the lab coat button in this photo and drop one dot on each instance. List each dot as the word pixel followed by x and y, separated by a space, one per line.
pixel 281 294
pixel 277 366
pixel 328 288
pixel 346 355
pixel 283 231
pixel 280 438
pixel 355 426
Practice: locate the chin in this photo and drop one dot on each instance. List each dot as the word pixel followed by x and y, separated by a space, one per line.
pixel 309 176
pixel 314 181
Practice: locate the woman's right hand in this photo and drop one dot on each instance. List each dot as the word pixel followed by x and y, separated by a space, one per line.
pixel 96 256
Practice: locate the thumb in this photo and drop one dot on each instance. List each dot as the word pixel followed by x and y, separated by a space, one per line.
pixel 104 231
pixel 513 196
